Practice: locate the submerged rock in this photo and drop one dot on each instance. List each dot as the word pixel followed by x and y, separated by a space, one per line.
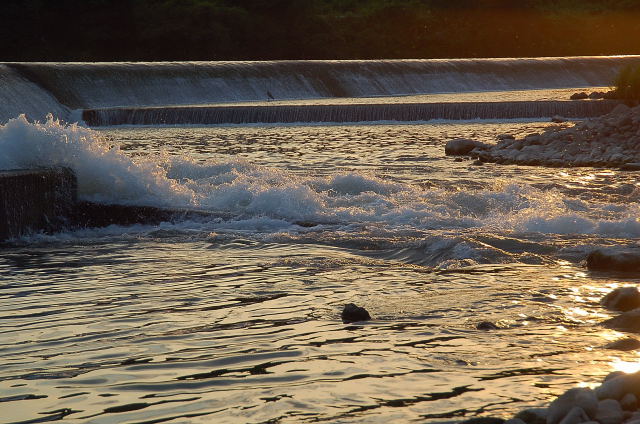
pixel 622 299
pixel 486 326
pixel 626 344
pixel 627 321
pixel 353 313
pixel 600 260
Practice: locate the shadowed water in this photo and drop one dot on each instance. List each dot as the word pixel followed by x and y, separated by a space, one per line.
pixel 238 320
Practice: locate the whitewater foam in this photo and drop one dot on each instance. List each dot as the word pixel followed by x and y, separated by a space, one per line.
pixel 263 198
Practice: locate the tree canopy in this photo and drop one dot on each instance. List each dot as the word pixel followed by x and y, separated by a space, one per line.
pixel 109 30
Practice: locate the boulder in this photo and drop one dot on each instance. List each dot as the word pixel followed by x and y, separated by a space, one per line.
pixel 462 146
pixel 486 326
pixel 632 166
pixel 353 313
pixel 579 96
pixel 558 119
pixel 629 402
pixel 533 415
pixel 609 412
pixel 596 95
pixel 577 402
pixel 575 416
pixel 622 299
pixel 625 345
pixel 618 387
pixel 627 321
pixel 600 260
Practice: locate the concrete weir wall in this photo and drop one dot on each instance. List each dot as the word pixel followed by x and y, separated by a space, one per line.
pixel 35 200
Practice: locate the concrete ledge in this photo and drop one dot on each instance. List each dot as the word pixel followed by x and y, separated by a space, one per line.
pixel 35 200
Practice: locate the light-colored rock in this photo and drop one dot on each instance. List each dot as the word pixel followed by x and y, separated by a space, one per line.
pixel 622 299
pixel 629 402
pixel 582 398
pixel 619 386
pixel 575 416
pixel 609 412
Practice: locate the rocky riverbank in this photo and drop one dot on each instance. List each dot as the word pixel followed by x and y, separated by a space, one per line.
pixel 611 141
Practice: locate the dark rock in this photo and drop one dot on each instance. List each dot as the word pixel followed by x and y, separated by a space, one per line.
pixel 353 313
pixel 622 299
pixel 462 146
pixel 599 260
pixel 533 416
pixel 579 96
pixel 627 321
pixel 483 420
pixel 611 94
pixel 486 326
pixel 596 95
pixel 635 166
pixel 477 163
pixel 558 119
pixel 458 160
pixel 624 345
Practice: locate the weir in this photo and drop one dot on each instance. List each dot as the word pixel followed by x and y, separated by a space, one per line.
pixel 344 113
pixel 41 88
pixel 45 201
pixel 35 200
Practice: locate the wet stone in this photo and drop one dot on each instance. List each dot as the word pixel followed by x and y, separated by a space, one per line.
pixel 486 326
pixel 622 299
pixel 626 344
pixel 354 313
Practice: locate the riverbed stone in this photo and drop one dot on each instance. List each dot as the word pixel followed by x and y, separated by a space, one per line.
pixel 354 313
pixel 629 402
pixel 622 299
pixel 533 415
pixel 627 321
pixel 619 386
pixel 582 398
pixel 609 412
pixel 604 260
pixel 576 415
pixel 625 345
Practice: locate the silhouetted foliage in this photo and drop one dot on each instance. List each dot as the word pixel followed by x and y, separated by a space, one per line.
pixel 627 83
pixel 313 29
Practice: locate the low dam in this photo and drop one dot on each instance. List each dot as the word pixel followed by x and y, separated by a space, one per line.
pixel 35 200
pixel 344 113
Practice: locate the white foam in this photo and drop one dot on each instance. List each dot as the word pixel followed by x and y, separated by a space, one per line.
pixel 267 199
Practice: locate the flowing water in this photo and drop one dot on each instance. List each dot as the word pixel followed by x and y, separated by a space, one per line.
pixel 236 317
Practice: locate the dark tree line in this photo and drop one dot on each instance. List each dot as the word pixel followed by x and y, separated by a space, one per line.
pixel 94 30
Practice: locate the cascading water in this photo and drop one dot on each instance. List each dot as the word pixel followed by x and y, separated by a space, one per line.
pixel 109 85
pixel 21 96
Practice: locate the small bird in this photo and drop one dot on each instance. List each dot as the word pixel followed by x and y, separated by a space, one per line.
pixel 269 95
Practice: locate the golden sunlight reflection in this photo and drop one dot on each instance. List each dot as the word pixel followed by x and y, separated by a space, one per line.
pixel 626 366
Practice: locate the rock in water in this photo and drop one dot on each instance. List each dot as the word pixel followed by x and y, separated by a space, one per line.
pixel 627 321
pixel 600 260
pixel 579 96
pixel 486 326
pixel 580 402
pixel 461 146
pixel 622 299
pixel 353 313
pixel 625 345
